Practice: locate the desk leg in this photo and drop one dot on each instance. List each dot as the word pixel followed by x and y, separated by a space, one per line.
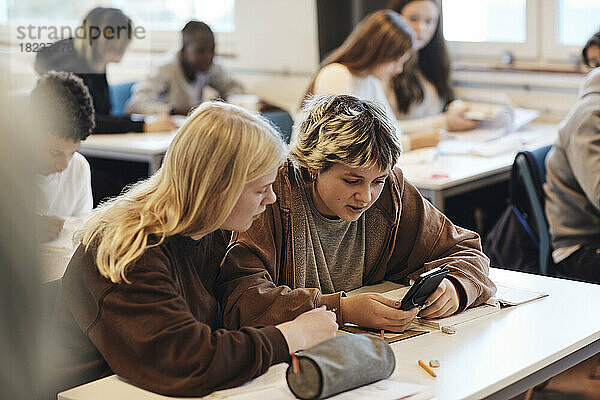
pixel 154 164
pixel 438 199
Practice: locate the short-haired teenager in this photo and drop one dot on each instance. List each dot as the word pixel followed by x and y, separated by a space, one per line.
pixel 63 116
pixel 346 217
pixel 178 83
pixel 137 298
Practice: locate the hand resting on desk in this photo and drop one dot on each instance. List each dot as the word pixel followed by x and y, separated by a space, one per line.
pixel 455 117
pixel 309 329
pixel 163 123
pixel 373 310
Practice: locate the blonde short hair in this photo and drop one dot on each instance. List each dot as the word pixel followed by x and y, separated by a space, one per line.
pixel 345 130
pixel 217 151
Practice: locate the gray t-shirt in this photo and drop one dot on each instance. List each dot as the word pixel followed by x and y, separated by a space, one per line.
pixel 335 248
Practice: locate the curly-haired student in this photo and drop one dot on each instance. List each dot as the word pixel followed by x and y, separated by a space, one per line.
pixel 64 116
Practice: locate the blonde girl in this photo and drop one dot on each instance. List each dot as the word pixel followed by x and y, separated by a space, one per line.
pixel 137 298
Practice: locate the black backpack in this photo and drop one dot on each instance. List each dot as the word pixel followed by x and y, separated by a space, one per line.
pixel 514 241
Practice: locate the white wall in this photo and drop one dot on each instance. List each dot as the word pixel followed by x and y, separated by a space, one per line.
pixel 552 93
pixel 276 48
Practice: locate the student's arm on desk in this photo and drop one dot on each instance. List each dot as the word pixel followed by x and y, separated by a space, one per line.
pixel 147 335
pixel 426 239
pixel 250 284
pixel 451 120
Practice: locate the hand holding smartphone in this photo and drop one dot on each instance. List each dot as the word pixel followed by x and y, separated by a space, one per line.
pixel 423 288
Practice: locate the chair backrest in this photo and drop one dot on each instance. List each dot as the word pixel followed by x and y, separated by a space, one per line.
pixel 119 95
pixel 283 122
pixel 531 169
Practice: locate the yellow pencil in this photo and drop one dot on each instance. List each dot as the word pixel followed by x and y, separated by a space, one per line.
pixel 427 368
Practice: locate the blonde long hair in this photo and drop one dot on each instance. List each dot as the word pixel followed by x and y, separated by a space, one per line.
pixel 217 151
pixel 93 49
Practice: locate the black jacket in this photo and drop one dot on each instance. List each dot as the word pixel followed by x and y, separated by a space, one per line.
pixel 61 56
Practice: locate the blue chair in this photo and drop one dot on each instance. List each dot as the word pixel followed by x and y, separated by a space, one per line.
pixel 531 168
pixel 283 122
pixel 119 94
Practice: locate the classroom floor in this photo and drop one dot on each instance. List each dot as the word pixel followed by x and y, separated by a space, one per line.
pixel 573 384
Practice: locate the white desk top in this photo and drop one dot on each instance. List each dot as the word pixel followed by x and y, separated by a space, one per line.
pixel 484 356
pixel 141 143
pixel 431 169
pixel 424 168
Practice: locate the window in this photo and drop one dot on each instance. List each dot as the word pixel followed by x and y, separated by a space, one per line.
pixel 487 28
pixel 577 21
pixel 161 20
pixel 158 15
pixel 485 21
pixel 26 12
pixel 532 30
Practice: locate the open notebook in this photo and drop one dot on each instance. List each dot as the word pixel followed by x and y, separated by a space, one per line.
pixel 505 296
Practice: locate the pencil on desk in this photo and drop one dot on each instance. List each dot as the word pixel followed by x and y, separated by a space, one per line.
pixel 295 364
pixel 427 368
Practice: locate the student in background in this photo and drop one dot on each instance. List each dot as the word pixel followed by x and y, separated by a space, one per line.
pixel 177 84
pixel 573 188
pixel 375 51
pixel 420 93
pixel 591 51
pixel 137 298
pixel 64 116
pixel 88 56
pixel 346 217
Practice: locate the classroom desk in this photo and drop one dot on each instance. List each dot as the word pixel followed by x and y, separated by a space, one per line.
pixel 439 176
pixel 496 356
pixel 140 147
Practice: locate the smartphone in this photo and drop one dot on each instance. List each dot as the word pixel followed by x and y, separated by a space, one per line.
pixel 423 288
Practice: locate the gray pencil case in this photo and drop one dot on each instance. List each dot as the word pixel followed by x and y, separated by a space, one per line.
pixel 342 363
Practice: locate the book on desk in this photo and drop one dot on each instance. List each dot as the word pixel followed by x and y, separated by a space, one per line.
pixel 505 296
